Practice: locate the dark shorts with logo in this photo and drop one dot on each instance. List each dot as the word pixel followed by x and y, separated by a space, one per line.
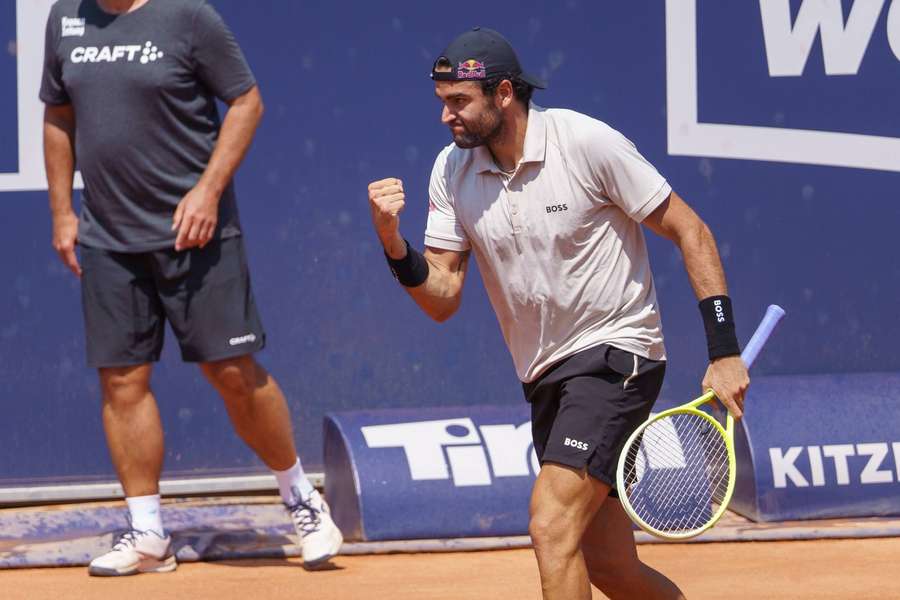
pixel 584 408
pixel 204 294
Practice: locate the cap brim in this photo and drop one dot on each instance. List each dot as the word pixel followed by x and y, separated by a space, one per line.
pixel 533 81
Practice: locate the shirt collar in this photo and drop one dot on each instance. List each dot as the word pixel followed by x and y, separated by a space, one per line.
pixel 535 144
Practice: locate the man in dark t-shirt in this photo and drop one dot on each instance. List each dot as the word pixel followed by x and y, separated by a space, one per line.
pixel 130 88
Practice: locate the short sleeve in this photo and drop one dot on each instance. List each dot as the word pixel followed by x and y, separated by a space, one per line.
pixel 625 176
pixel 53 90
pixel 443 230
pixel 219 61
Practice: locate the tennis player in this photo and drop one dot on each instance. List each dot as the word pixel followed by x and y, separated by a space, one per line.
pixel 551 203
pixel 130 88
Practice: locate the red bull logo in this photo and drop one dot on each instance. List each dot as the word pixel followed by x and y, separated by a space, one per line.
pixel 470 69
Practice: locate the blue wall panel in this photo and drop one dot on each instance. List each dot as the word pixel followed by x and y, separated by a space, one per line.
pixel 349 101
pixel 801 456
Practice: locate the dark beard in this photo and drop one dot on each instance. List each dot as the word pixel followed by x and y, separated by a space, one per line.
pixel 488 129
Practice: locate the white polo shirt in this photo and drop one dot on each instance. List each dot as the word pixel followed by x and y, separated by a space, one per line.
pixel 558 241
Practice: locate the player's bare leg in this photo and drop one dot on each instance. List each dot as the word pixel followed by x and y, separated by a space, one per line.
pixel 261 417
pixel 133 428
pixel 257 408
pixel 612 561
pixel 563 503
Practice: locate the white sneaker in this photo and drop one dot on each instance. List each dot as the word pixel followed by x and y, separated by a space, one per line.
pixel 136 552
pixel 319 537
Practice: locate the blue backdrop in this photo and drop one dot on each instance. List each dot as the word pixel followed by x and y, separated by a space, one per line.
pixel 349 101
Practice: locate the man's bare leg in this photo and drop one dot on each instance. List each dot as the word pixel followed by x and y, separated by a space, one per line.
pixel 563 503
pixel 612 561
pixel 257 408
pixel 133 428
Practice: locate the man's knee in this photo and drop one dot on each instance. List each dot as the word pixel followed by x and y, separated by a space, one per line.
pixel 235 377
pixel 124 385
pixel 552 533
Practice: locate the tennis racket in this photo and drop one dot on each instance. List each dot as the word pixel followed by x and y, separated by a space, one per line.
pixel 677 471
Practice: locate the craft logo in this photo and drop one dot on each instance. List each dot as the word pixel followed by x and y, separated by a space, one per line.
pixel 244 339
pixel 110 54
pixel 470 69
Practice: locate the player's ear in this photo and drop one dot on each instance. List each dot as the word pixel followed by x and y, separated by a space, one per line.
pixel 504 95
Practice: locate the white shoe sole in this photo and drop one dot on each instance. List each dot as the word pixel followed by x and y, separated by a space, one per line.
pixel 146 565
pixel 336 539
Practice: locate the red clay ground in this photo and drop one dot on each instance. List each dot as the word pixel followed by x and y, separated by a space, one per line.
pixel 807 570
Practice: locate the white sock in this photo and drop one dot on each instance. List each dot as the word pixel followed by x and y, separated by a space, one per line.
pixel 293 484
pixel 145 513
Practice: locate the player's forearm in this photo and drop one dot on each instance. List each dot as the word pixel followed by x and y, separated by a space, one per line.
pixel 441 294
pixel 234 141
pixel 59 159
pixel 702 262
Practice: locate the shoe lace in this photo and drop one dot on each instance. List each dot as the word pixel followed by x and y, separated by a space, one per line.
pixel 127 540
pixel 305 516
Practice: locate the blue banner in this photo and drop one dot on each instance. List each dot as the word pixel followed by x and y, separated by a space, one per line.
pixel 430 472
pixel 815 447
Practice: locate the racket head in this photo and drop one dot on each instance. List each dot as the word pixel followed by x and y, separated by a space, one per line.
pixel 676 473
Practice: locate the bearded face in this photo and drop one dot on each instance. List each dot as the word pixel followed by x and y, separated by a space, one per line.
pixel 473 118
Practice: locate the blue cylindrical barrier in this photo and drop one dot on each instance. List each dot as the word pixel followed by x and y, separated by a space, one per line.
pixel 430 472
pixel 819 446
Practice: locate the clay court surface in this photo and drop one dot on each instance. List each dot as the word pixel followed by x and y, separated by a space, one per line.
pixel 804 570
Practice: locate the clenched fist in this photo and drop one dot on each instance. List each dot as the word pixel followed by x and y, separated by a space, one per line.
pixel 387 200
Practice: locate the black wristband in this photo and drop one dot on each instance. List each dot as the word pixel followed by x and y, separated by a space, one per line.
pixel 411 270
pixel 718 321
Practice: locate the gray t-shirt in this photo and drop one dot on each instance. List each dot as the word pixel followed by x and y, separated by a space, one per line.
pixel 143 86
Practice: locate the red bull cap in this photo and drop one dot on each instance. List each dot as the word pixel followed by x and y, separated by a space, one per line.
pixel 480 54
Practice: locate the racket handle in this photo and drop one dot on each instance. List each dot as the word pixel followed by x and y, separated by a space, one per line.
pixel 770 320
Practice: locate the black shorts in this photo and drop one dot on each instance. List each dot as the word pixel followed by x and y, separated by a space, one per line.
pixel 584 408
pixel 204 293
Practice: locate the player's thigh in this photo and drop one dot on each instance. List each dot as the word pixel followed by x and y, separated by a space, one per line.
pixel 123 317
pixel 209 301
pixel 563 502
pixel 583 412
pixel 611 404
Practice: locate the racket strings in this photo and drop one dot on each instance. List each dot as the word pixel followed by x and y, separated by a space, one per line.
pixel 678 488
pixel 676 471
pixel 680 476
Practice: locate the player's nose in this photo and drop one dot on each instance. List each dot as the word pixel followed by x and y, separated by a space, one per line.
pixel 446 116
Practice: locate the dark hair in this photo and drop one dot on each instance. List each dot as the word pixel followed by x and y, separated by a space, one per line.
pixel 521 90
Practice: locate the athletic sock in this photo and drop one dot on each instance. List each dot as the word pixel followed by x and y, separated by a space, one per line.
pixel 293 484
pixel 145 514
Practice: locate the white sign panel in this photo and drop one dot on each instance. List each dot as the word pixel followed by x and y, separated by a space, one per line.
pixel 31 21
